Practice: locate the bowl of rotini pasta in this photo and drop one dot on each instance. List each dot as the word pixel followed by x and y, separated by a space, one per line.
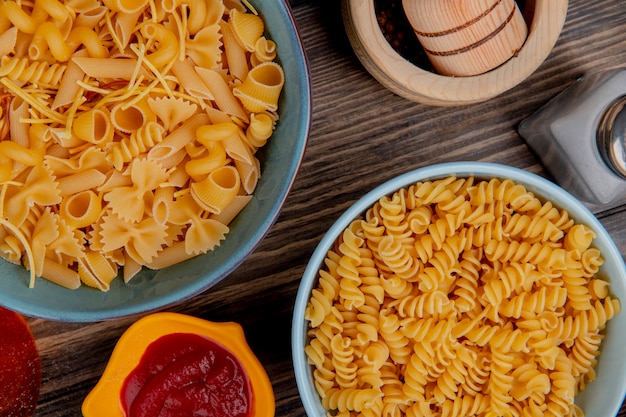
pixel 462 289
pixel 146 147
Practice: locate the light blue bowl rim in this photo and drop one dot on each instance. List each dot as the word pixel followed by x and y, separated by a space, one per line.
pixel 282 14
pixel 534 183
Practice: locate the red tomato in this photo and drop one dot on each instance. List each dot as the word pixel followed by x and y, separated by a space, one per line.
pixel 20 367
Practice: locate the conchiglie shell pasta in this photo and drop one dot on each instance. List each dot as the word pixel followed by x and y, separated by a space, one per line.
pixel 218 190
pixel 261 88
pixel 94 126
pixel 247 28
pixel 96 271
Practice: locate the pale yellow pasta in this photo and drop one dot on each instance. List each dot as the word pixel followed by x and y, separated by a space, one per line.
pixel 247 28
pixel 60 274
pixel 231 211
pixel 192 83
pixel 111 68
pixel 94 126
pixel 261 88
pixel 81 209
pixel 96 270
pixel 224 97
pixel 22 70
pixel 177 139
pixel 126 6
pixel 260 129
pixel 237 149
pixel 49 37
pixel 214 158
pixel 205 47
pixel 7 40
pixel 68 87
pixel 131 268
pixel 91 17
pixel 249 174
pixel 124 27
pixel 471 321
pixel 122 144
pixel 12 14
pixel 82 180
pixel 171 111
pixel 264 51
pixel 19 132
pixel 235 53
pixel 217 190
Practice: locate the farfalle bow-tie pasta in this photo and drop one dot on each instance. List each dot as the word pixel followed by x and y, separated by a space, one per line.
pixel 457 298
pixel 128 131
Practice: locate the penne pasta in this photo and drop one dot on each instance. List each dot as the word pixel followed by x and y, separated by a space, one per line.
pixel 8 38
pixel 190 80
pixel 236 58
pixel 224 97
pixel 80 181
pixel 110 68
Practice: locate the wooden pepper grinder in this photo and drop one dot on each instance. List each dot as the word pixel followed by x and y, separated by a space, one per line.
pixel 467 37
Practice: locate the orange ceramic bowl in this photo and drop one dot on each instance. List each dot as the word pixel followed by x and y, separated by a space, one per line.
pixel 128 353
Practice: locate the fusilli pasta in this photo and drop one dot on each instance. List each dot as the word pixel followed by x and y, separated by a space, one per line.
pixel 458 297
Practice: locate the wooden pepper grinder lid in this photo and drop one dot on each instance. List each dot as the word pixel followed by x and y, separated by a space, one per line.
pixel 467 37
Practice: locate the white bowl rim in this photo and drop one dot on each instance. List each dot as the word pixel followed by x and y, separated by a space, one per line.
pixel 531 181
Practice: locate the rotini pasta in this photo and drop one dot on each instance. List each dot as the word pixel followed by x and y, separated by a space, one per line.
pixel 111 155
pixel 458 297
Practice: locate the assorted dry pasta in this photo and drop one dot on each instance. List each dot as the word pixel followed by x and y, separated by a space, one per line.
pixel 129 131
pixel 458 297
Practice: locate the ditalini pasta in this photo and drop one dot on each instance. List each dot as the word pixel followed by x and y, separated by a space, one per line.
pixel 128 131
pixel 458 297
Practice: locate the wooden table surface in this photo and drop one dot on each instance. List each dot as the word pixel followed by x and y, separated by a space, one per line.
pixel 361 136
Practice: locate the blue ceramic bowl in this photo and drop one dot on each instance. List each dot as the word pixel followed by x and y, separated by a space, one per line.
pixel 601 398
pixel 152 290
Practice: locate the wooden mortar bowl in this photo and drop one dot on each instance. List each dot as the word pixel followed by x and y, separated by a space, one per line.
pixel 545 19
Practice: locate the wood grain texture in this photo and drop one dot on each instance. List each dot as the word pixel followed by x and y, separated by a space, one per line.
pixel 468 38
pixel 362 135
pixel 413 82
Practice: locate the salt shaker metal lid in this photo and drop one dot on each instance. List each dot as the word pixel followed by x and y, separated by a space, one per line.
pixel 611 136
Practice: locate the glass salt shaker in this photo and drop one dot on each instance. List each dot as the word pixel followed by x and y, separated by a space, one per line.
pixel 580 137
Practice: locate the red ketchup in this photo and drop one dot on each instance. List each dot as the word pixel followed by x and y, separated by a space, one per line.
pixel 184 374
pixel 20 366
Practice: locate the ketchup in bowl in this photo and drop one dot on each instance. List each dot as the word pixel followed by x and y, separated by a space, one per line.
pixel 187 374
pixel 171 365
